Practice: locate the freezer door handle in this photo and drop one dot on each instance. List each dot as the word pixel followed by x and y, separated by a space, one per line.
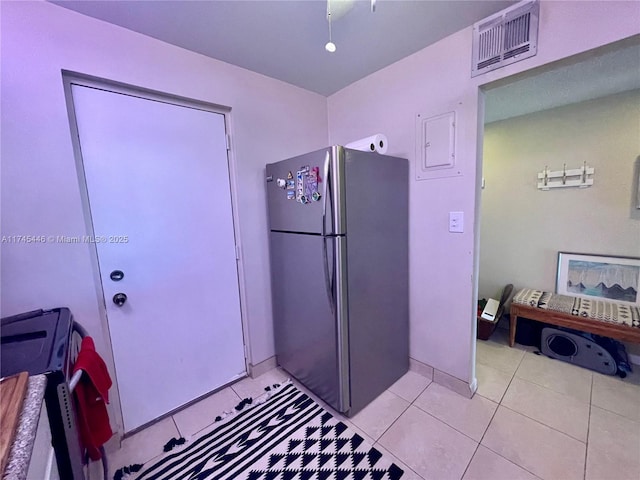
pixel 325 179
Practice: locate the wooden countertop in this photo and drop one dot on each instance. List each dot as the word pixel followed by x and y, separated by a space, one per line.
pixel 12 392
pixel 22 446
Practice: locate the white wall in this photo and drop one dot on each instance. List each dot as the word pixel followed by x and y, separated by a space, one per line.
pixel 443 264
pixel 523 228
pixel 40 192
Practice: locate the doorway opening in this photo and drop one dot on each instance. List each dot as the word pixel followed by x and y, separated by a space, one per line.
pixel 581 111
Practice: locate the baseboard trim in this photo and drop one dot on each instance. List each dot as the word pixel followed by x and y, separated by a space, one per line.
pixel 441 378
pixel 453 383
pixel 262 367
pixel 114 443
pixel 421 368
pixel 473 387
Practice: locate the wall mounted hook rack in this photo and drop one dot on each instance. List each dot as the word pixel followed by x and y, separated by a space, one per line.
pixel 576 177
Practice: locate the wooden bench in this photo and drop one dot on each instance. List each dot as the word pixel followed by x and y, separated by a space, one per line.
pixel 621 322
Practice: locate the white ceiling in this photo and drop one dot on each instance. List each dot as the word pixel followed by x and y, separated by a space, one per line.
pixel 285 39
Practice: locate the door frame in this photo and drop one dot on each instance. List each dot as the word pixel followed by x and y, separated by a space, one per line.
pixel 70 78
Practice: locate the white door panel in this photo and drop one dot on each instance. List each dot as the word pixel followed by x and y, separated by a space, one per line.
pixel 158 185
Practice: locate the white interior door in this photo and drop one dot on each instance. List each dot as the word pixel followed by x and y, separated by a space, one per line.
pixel 158 184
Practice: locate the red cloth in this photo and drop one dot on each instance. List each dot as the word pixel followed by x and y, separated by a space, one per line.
pixel 92 396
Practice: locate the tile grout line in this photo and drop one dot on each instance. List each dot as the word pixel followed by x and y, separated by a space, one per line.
pixel 176 425
pixel 618 414
pixel 379 445
pixel 234 390
pixel 478 445
pixel 376 441
pixel 561 363
pixel 398 417
pixel 232 407
pixel 462 433
pixel 445 423
pixel 533 419
pixel 550 389
pixel 510 382
pixel 409 404
pixel 549 426
pixel 492 417
pixel 544 387
pixel 586 447
pixel 420 393
pixel 512 462
pixel 544 424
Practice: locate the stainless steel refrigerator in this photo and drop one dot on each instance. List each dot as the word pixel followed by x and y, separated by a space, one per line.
pixel 338 222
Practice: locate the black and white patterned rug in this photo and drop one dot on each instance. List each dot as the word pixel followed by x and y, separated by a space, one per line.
pixel 289 437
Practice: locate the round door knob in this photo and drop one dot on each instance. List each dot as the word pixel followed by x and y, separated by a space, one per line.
pixel 119 299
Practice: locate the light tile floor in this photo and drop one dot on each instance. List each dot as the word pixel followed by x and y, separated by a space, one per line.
pixel 532 417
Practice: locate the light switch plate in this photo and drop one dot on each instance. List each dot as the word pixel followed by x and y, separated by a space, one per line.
pixel 456 222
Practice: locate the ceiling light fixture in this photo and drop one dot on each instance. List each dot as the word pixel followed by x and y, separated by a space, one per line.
pixel 330 46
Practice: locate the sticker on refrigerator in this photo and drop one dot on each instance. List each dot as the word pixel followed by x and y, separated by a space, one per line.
pixel 312 184
pixel 299 186
pixel 289 176
pixel 291 185
pixel 302 195
pixel 291 195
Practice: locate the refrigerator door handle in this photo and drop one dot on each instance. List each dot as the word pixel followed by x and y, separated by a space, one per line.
pixel 327 276
pixel 325 256
pixel 342 322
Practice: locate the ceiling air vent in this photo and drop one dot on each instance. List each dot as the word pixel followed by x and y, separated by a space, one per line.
pixel 506 37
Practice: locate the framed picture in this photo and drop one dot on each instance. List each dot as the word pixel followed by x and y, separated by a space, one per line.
pixel 608 278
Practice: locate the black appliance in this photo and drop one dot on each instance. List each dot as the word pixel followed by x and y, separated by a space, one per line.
pixel 40 342
pixel 575 347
